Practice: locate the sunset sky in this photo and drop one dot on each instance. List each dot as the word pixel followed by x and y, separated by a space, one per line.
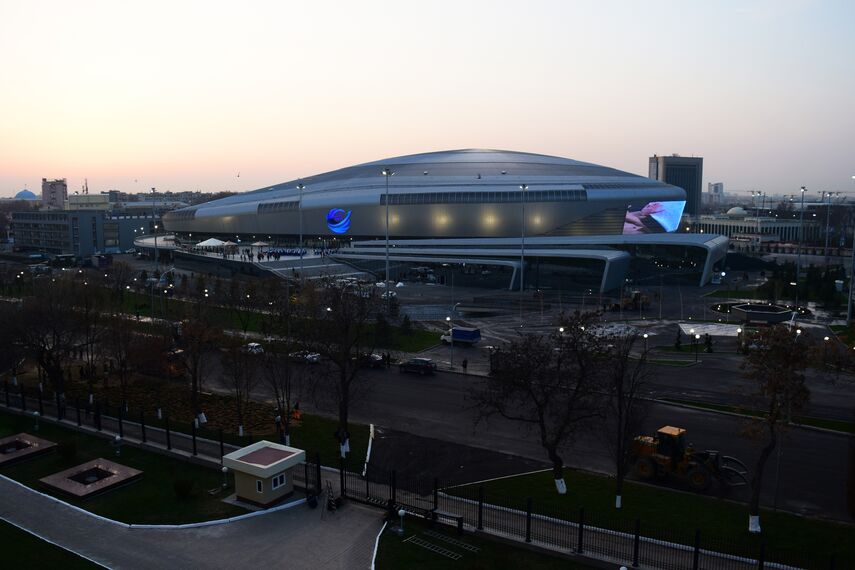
pixel 184 95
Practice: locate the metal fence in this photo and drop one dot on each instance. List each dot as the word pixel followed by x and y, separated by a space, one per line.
pixel 604 535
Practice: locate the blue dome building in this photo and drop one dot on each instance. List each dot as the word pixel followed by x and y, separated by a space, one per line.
pixel 25 195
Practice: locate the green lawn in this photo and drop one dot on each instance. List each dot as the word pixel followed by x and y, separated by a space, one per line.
pixel 151 499
pixel 838 425
pixel 21 549
pixel 315 434
pixel 395 554
pixel 672 515
pixel 138 303
pixel 845 333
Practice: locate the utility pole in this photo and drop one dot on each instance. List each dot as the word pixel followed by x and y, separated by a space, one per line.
pixel 851 278
pixel 523 187
pixel 387 173
pixel 300 187
pixel 801 236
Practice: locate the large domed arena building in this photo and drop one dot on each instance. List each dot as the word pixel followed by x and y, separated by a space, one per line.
pixel 495 211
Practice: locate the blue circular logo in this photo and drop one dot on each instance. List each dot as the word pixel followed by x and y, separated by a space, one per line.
pixel 338 221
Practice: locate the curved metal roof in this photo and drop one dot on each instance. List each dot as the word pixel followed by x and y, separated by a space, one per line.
pixel 449 167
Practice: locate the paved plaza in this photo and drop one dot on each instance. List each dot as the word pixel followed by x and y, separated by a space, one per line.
pixel 297 538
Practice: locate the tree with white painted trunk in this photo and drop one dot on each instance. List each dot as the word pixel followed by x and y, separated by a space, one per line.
pixel 775 370
pixel 625 374
pixel 337 322
pixel 240 365
pixel 198 336
pixel 549 383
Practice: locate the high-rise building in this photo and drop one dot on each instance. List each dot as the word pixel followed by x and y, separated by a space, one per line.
pixel 683 171
pixel 54 194
pixel 715 193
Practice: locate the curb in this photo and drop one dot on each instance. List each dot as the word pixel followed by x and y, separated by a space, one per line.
pixel 40 537
pixel 746 416
pixel 156 526
pixel 377 544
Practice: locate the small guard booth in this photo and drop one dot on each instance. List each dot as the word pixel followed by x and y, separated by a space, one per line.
pixel 264 471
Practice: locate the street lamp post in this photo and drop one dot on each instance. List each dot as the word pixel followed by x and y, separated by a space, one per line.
pixel 387 173
pixel 300 187
pixel 827 216
pixel 695 340
pixel 851 278
pixel 450 320
pixel 801 236
pixel 523 187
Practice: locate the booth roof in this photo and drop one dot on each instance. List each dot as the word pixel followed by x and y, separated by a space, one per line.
pixel 210 242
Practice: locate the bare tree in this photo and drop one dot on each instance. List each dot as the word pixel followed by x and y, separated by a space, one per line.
pixel 89 303
pixel 242 302
pixel 240 364
pixel 548 383
pixel 198 336
pixel 625 408
pixel 776 372
pixel 49 330
pixel 119 344
pixel 337 323
pixel 288 380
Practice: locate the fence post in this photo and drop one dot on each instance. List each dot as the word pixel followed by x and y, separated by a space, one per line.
pixel 98 415
pixel 142 425
pixel 367 486
pixel 59 414
pixel 23 398
pixel 696 557
pixel 528 520
pixel 581 530
pixel 394 487
pixel 77 407
pixel 223 449
pixel 119 413
pixel 305 474
pixel 6 391
pixel 168 435
pixel 761 560
pixel 318 473
pixel 481 507
pixel 41 404
pixel 341 477
pixel 435 493
pixel 193 435
pixel 636 543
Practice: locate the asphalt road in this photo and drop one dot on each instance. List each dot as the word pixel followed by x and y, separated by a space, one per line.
pixel 813 465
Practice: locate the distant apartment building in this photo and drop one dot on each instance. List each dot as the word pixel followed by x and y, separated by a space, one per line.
pixel 54 194
pixel 80 232
pixel 747 232
pixel 683 171
pixel 715 193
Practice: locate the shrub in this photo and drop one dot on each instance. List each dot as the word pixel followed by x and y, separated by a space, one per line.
pixel 183 488
pixel 406 326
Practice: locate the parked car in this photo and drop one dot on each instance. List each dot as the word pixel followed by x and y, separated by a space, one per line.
pixel 419 366
pixel 389 295
pixel 372 360
pixel 253 348
pixel 305 357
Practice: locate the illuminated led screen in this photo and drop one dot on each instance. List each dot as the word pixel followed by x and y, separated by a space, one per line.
pixel 654 218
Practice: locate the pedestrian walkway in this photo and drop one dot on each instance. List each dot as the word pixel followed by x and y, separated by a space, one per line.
pixel 299 538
